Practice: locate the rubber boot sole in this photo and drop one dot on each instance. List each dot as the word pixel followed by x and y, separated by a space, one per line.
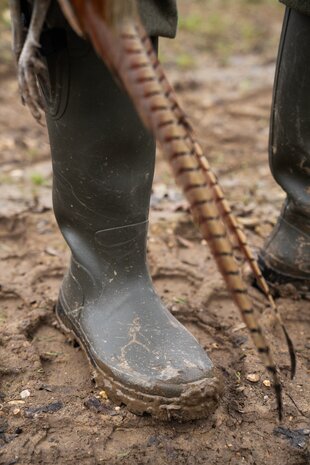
pixel 282 285
pixel 198 399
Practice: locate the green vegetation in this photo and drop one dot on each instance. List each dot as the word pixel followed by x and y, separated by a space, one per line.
pixel 33 153
pixel 222 28
pixel 37 179
pixel 180 300
pixel 185 61
pixel 219 28
pixel 192 23
pixel 3 317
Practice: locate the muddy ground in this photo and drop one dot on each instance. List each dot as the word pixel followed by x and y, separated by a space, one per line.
pixel 224 76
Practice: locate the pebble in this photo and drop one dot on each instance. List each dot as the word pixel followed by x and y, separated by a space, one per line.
pixel 253 377
pixel 24 394
pixel 240 388
pixel 16 411
pixel 238 327
pixel 117 408
pixel 103 395
pixel 266 383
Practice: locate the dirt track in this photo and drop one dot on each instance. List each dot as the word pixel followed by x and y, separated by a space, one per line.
pixel 65 421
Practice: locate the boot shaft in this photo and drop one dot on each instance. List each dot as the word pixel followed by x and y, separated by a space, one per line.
pixel 103 157
pixel 289 148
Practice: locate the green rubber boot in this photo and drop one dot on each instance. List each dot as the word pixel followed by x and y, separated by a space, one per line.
pixel 285 258
pixel 103 163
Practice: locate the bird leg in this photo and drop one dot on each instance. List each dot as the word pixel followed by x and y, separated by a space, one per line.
pixel 30 64
pixel 18 29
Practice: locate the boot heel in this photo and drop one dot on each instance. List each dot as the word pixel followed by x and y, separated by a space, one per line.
pixel 63 320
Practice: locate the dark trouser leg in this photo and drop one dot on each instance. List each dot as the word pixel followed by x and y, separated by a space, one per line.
pixel 103 162
pixel 286 254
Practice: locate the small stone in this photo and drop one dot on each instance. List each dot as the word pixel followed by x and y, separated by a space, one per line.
pixel 51 251
pixel 240 388
pixel 238 327
pixel 266 383
pixel 24 394
pixel 103 395
pixel 16 411
pixel 253 377
pixel 117 408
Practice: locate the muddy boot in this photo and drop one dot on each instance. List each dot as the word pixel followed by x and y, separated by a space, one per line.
pixel 285 258
pixel 103 162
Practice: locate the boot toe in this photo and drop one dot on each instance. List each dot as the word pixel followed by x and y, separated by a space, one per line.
pixel 148 361
pixel 161 371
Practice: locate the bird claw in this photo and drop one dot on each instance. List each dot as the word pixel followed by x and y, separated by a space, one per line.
pixel 30 68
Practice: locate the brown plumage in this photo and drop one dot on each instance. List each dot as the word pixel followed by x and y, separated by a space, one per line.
pixel 225 211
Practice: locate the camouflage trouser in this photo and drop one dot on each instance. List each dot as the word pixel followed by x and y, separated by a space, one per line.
pixel 301 5
pixel 159 17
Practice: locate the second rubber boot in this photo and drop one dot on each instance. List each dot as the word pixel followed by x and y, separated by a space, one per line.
pixel 103 162
pixel 285 257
